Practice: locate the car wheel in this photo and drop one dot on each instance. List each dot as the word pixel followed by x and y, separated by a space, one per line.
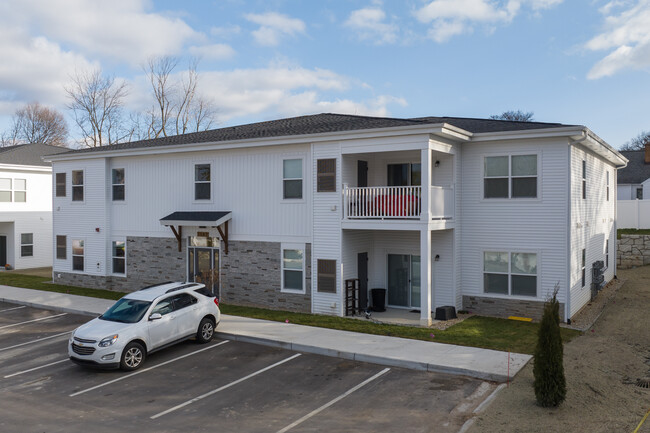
pixel 132 357
pixel 206 331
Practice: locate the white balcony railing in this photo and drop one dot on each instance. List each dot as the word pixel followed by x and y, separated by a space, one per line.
pixel 396 202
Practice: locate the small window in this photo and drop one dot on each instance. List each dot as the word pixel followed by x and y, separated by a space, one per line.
pixel 584 180
pixel 202 182
pixel 77 185
pixel 119 257
pixel 326 276
pixel 61 247
pixel 607 253
pixel 118 184
pixel 60 184
pixel 639 194
pixel 510 176
pixel 510 273
pixel 26 245
pixel 20 190
pixel 5 190
pixel 582 266
pixel 326 175
pixel 607 185
pixel 77 255
pixel 292 179
pixel 292 270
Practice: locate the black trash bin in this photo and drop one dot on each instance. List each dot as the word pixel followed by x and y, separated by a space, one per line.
pixel 378 299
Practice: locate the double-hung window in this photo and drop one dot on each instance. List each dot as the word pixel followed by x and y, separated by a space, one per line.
pixel 5 190
pixel 202 182
pixel 60 184
pixel 117 176
pixel 326 279
pixel 20 190
pixel 77 185
pixel 61 247
pixel 326 175
pixel 26 244
pixel 119 257
pixel 292 179
pixel 77 255
pixel 510 273
pixel 513 176
pixel 293 270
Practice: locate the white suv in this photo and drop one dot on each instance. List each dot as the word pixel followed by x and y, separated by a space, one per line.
pixel 145 321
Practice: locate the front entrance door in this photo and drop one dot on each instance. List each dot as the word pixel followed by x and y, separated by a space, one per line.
pixel 3 250
pixel 404 280
pixel 204 268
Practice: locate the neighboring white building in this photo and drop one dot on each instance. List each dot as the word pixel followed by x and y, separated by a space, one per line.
pixel 26 206
pixel 634 179
pixel 479 214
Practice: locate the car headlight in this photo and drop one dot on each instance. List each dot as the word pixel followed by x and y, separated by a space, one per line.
pixel 108 341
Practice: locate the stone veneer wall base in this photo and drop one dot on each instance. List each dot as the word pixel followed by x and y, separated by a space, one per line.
pixel 499 307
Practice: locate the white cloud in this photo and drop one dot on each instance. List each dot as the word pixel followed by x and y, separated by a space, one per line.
pixel 273 26
pixel 627 36
pixel 212 52
pixel 448 18
pixel 370 24
pixel 225 31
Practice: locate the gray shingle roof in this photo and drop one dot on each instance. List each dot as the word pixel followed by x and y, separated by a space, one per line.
pixel 29 154
pixel 636 171
pixel 322 123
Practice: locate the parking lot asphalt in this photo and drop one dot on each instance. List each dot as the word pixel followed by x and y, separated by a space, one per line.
pixel 226 386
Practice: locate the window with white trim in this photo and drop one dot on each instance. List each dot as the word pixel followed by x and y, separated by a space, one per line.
pixel 20 190
pixel 510 273
pixel 118 253
pixel 117 179
pixel 5 190
pixel 77 185
pixel 61 247
pixel 292 179
pixel 513 176
pixel 26 244
pixel 293 270
pixel 60 184
pixel 77 255
pixel 202 182
pixel 582 266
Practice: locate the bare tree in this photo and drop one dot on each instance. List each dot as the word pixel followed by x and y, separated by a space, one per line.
pixel 638 143
pixel 35 123
pixel 97 102
pixel 514 116
pixel 178 109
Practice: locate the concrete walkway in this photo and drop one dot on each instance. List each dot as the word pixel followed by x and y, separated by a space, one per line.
pixel 399 352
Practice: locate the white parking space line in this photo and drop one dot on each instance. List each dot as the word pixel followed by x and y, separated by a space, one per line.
pixel 208 394
pixel 14 308
pixel 35 368
pixel 35 341
pixel 337 399
pixel 146 369
pixel 35 320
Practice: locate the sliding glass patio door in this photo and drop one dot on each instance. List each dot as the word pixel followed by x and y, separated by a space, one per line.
pixel 404 280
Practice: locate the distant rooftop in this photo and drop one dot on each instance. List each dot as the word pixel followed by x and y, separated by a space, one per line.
pixel 636 171
pixel 29 154
pixel 319 124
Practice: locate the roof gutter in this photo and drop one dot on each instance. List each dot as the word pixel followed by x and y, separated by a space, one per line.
pixel 596 144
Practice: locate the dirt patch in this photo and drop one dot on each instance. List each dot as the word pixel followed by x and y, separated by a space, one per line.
pixel 444 324
pixel 601 367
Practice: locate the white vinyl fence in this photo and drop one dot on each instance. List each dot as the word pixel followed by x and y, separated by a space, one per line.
pixel 633 214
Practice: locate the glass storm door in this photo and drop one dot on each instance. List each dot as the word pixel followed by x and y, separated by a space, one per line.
pixel 204 267
pixel 404 280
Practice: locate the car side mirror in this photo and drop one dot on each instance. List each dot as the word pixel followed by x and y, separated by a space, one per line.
pixel 155 316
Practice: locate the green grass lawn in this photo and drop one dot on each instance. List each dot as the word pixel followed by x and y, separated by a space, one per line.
pixel 476 331
pixel 620 232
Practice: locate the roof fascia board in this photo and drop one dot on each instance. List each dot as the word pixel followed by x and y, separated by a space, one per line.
pixel 20 167
pixel 597 145
pixel 433 128
pixel 529 133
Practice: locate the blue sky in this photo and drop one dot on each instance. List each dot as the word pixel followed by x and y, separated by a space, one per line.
pixel 576 62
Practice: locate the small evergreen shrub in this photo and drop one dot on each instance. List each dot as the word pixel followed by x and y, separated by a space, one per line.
pixel 550 383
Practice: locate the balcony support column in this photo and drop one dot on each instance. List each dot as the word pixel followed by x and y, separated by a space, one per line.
pixel 426 289
pixel 425 194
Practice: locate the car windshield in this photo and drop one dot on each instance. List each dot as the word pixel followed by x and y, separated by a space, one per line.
pixel 126 311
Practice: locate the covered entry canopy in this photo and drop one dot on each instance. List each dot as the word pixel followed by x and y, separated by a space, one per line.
pixel 216 219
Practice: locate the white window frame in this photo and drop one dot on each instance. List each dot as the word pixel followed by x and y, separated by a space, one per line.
pixel 65 184
pixel 56 247
pixel 16 190
pixel 510 176
pixel 301 179
pixel 298 247
pixel 113 257
pixel 26 245
pixel 123 185
pixel 510 273
pixel 194 182
pixel 82 186
pixel 10 190
pixel 73 255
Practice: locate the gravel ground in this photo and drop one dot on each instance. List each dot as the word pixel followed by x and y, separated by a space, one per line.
pixel 602 368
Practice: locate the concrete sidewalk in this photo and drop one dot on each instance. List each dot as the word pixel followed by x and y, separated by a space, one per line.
pixel 392 351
